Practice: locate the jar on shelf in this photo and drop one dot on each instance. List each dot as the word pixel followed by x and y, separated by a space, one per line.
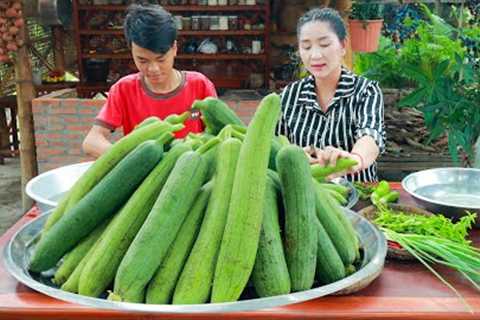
pixel 232 2
pixel 233 22
pixel 222 2
pixel 214 23
pixel 187 23
pixel 204 22
pixel 196 23
pixel 223 22
pixel 178 22
pixel 202 2
pixel 212 2
pixel 193 2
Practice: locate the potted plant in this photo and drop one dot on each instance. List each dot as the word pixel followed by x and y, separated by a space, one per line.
pixel 365 25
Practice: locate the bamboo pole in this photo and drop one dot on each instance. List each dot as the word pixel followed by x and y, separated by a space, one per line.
pixel 25 95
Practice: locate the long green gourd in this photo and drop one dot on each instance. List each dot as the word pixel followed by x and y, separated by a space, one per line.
pixel 242 231
pixel 344 238
pixel 104 165
pixel 100 269
pixel 216 114
pixel 73 258
pixel 160 289
pixel 330 266
pixel 195 282
pixel 270 274
pixel 159 230
pixel 105 199
pixel 299 200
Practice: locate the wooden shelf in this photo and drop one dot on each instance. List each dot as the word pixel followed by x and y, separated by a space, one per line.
pixel 198 56
pixel 225 56
pixel 176 8
pixel 182 33
pixel 195 61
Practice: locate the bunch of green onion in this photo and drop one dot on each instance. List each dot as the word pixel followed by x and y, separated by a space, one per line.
pixel 434 239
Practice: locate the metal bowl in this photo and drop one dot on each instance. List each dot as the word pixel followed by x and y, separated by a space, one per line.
pixel 49 187
pixel 353 195
pixel 20 247
pixel 447 191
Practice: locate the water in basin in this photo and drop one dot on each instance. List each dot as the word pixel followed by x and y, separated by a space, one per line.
pixel 459 195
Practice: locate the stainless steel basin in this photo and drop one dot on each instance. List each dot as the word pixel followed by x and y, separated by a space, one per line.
pixel 48 188
pixel 447 191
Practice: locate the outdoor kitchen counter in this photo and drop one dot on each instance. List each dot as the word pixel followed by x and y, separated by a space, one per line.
pixel 403 291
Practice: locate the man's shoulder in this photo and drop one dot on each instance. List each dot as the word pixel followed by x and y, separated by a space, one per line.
pixel 128 81
pixel 196 77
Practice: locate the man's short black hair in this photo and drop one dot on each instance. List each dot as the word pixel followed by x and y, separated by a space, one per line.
pixel 150 27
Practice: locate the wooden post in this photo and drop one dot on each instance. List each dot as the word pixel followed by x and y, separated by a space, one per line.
pixel 25 95
pixel 58 45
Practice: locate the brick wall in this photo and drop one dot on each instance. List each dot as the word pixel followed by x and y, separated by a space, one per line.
pixel 61 122
pixel 60 126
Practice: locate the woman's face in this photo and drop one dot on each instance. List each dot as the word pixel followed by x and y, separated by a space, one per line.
pixel 156 68
pixel 320 49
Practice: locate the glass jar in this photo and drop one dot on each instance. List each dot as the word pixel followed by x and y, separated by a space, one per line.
pixel 214 23
pixel 233 22
pixel 187 23
pixel 232 2
pixel 204 23
pixel 196 23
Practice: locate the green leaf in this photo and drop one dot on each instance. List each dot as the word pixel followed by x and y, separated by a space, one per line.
pixel 440 69
pixel 414 98
pixel 417 75
pixel 436 132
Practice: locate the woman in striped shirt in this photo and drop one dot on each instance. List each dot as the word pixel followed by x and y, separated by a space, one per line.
pixel 332 112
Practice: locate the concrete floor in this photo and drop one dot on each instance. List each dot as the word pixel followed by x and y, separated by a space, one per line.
pixel 10 193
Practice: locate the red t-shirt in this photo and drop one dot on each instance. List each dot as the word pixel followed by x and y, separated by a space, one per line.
pixel 129 102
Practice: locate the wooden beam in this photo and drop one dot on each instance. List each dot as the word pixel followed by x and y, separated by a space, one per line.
pixel 58 48
pixel 25 95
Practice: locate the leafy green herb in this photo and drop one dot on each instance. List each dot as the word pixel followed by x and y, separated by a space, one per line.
pixel 434 225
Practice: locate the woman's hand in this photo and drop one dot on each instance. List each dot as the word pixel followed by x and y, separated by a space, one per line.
pixel 330 155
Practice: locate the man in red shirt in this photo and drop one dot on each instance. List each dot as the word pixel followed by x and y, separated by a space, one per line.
pixel 158 89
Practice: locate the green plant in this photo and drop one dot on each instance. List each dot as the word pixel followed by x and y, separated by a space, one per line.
pixel 366 10
pixel 448 98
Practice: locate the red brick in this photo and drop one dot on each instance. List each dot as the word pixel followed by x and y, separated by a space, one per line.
pixel 40 121
pixel 248 104
pixel 88 110
pixel 246 120
pixel 92 103
pixel 75 152
pixel 53 152
pixel 64 110
pixel 56 126
pixel 69 102
pixel 72 119
pixel 60 143
pixel 40 142
pixel 78 128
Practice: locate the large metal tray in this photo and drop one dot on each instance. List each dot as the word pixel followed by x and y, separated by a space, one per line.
pixel 19 249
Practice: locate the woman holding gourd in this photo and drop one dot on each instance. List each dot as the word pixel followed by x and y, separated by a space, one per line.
pixel 332 112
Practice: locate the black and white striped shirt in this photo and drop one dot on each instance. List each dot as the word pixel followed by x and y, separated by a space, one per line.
pixel 356 110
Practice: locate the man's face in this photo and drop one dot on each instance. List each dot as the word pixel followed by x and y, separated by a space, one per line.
pixel 155 67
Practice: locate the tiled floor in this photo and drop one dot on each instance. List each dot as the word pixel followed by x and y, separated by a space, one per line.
pixel 10 193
